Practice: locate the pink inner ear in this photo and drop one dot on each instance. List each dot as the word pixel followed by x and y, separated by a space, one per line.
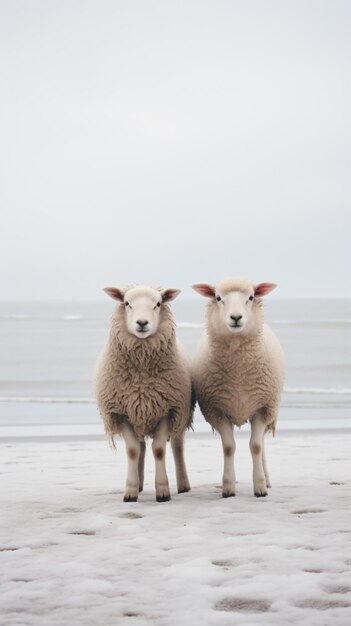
pixel 205 290
pixel 169 294
pixel 114 293
pixel 263 288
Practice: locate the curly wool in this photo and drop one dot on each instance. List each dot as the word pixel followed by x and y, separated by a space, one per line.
pixel 238 376
pixel 143 380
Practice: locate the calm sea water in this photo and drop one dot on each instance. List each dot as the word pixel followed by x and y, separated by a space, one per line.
pixel 48 351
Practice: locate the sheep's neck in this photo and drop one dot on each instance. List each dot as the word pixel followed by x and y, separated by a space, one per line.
pixel 235 346
pixel 152 353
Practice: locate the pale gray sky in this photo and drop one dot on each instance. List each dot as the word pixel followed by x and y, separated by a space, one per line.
pixel 174 142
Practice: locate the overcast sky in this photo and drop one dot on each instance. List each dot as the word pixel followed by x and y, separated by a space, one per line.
pixel 173 142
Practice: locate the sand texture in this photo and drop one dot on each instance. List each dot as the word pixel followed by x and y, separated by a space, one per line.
pixel 72 553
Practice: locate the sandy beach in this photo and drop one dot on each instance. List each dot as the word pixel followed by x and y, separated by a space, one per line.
pixel 73 553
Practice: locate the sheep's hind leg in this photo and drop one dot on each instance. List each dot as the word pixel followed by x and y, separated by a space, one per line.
pixel 177 444
pixel 256 446
pixel 141 465
pixel 133 455
pixel 264 463
pixel 159 452
pixel 225 429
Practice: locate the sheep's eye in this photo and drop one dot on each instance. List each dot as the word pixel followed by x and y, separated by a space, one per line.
pixel 218 298
pixel 251 298
pixel 126 303
pixel 158 304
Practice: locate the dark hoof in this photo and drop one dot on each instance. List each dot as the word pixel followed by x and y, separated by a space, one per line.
pixel 184 490
pixel 261 495
pixel 141 489
pixel 228 494
pixel 130 499
pixel 163 498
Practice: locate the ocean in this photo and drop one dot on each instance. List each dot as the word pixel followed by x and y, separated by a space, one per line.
pixel 49 350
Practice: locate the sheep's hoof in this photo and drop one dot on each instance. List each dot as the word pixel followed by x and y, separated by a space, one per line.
pixel 261 494
pixel 228 494
pixel 164 498
pixel 184 489
pixel 141 488
pixel 130 499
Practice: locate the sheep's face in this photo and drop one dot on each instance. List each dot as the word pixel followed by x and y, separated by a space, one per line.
pixel 234 309
pixel 142 311
pixel 235 304
pixel 143 307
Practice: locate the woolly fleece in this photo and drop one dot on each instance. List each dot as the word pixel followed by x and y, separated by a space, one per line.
pixel 143 380
pixel 238 375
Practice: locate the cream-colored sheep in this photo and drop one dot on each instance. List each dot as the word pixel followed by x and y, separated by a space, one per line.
pixel 143 385
pixel 238 372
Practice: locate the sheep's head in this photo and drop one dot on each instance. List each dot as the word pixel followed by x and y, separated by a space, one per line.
pixel 142 307
pixel 235 304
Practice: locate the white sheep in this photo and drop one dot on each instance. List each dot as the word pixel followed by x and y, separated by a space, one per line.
pixel 238 372
pixel 143 385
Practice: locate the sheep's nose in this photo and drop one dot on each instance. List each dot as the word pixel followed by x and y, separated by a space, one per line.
pixel 142 323
pixel 236 318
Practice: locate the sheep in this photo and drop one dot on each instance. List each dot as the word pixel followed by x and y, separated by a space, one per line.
pixel 238 372
pixel 143 385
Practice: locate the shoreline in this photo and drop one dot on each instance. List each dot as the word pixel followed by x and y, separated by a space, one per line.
pixel 60 437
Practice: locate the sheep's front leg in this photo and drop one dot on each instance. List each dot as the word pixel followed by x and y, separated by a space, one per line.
pixel 141 465
pixel 159 452
pixel 258 428
pixel 226 432
pixel 177 444
pixel 133 455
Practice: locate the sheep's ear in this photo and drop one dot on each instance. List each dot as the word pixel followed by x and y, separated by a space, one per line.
pixel 114 293
pixel 204 290
pixel 169 294
pixel 263 288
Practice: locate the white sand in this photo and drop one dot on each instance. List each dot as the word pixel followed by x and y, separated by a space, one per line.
pixel 73 553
